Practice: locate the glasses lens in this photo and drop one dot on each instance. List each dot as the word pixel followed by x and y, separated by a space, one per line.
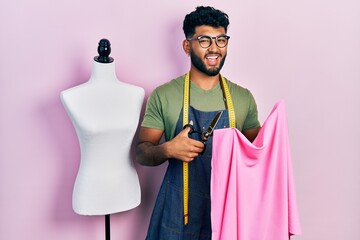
pixel 221 41
pixel 205 41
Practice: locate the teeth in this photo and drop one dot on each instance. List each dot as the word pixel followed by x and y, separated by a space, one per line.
pixel 212 57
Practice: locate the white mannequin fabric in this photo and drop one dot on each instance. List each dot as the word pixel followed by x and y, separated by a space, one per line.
pixel 105 113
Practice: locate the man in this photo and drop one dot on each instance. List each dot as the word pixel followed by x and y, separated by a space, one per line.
pixel 208 92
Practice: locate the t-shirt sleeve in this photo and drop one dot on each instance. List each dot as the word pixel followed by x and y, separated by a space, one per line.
pixel 252 119
pixel 153 117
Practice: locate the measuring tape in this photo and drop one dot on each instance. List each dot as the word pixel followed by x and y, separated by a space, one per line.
pixel 231 112
pixel 186 164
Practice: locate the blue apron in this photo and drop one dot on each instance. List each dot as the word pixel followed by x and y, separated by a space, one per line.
pixel 167 221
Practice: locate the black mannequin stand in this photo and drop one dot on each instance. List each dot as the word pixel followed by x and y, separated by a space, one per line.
pixel 107 227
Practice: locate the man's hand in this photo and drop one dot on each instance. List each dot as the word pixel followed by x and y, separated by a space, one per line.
pixel 150 153
pixel 184 148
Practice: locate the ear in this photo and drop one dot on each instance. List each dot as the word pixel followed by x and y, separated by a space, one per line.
pixel 186 46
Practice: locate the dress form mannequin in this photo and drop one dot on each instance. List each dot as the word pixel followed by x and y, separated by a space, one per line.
pixel 105 114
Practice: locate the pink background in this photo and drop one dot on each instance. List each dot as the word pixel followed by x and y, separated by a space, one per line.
pixel 305 52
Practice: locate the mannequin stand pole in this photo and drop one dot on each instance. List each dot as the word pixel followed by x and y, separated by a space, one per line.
pixel 107 227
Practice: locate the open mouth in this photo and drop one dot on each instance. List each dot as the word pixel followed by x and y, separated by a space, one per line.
pixel 212 59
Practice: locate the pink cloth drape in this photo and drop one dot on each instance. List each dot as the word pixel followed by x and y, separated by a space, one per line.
pixel 252 188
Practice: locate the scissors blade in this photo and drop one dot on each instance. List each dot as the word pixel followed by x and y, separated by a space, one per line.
pixel 212 126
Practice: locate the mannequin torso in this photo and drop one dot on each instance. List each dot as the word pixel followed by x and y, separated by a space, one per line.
pixel 105 113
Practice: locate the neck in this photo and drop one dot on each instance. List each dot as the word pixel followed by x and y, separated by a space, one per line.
pixel 103 72
pixel 203 80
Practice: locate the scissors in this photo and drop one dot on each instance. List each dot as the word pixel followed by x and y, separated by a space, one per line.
pixel 208 132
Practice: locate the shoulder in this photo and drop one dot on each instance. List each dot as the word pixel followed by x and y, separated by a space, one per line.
pixel 241 95
pixel 238 90
pixel 74 89
pixel 73 92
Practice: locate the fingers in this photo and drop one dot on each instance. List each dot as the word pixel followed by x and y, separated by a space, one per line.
pixel 198 144
pixel 193 150
pixel 190 156
pixel 185 148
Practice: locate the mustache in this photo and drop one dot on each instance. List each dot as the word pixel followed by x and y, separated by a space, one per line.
pixel 213 53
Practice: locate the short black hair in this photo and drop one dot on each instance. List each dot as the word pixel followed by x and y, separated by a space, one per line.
pixel 204 16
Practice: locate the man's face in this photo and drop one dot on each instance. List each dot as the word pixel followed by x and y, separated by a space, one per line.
pixel 207 60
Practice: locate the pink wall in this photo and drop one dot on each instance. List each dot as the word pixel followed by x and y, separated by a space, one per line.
pixel 306 52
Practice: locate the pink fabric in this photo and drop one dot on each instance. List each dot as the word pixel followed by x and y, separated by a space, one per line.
pixel 252 189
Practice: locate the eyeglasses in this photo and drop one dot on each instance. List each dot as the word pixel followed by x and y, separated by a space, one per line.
pixel 206 41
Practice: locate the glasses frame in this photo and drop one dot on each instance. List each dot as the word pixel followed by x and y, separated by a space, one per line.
pixel 211 40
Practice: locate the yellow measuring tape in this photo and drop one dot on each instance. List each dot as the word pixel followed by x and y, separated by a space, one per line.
pixel 229 106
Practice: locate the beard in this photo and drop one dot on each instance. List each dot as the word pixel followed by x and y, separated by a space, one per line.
pixel 200 65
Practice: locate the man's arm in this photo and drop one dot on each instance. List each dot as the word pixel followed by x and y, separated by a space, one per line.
pixel 150 153
pixel 251 133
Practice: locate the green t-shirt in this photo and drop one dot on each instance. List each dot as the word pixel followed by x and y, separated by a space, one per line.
pixel 165 103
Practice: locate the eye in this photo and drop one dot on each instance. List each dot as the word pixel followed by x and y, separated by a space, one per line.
pixel 204 39
pixel 221 39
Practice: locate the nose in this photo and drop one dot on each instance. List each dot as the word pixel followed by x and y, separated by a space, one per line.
pixel 213 44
